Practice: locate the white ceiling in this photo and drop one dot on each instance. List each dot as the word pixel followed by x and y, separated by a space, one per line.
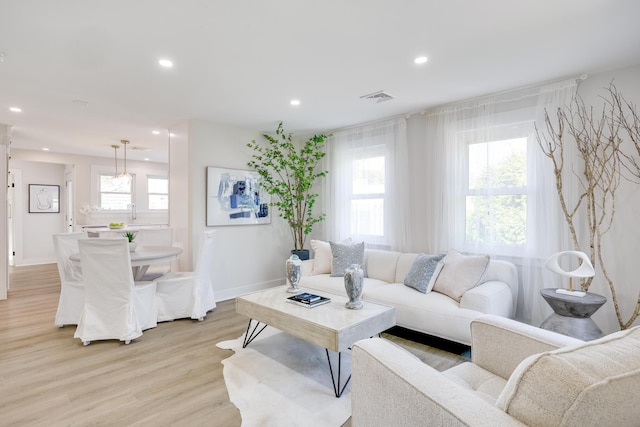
pixel 241 62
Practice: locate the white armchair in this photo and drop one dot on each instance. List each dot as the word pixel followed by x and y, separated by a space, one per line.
pixel 520 375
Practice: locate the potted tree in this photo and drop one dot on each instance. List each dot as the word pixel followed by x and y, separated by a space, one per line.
pixel 288 173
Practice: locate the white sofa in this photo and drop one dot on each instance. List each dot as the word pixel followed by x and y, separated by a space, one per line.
pixel 520 376
pixel 432 313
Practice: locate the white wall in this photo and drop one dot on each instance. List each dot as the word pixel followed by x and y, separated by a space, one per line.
pixel 39 167
pixel 620 246
pixel 4 263
pixel 247 257
pixel 36 246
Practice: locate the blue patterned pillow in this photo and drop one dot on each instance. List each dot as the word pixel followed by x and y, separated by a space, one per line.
pixel 422 271
pixel 343 255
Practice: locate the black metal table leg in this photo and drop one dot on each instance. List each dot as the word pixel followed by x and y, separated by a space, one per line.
pixel 336 380
pixel 250 337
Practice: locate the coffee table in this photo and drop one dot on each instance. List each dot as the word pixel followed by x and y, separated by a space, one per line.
pixel 331 325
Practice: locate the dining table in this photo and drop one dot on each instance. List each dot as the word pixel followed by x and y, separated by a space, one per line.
pixel 144 256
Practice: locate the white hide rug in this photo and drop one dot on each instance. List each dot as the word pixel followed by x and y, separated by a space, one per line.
pixel 280 380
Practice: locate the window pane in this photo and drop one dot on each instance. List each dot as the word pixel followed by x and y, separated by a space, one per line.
pixel 368 176
pixel 158 185
pixel 498 164
pixel 114 201
pixel 497 219
pixel 367 217
pixel 158 201
pixel 111 184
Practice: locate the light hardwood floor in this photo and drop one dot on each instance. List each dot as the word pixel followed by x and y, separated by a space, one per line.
pixel 171 376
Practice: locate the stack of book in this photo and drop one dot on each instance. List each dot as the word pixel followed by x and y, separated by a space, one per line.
pixel 308 300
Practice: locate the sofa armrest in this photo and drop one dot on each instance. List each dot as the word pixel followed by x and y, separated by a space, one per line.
pixel 499 344
pixel 392 387
pixel 492 297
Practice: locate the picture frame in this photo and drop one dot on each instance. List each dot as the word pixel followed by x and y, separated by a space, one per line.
pixel 44 198
pixel 236 197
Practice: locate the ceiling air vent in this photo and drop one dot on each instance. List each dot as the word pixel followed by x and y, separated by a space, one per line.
pixel 139 148
pixel 379 96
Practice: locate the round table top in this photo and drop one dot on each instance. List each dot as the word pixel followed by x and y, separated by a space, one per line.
pixel 571 305
pixel 145 255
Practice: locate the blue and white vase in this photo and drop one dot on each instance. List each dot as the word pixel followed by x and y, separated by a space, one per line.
pixel 294 272
pixel 354 285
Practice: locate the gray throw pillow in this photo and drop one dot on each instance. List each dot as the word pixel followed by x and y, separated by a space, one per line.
pixel 343 255
pixel 421 272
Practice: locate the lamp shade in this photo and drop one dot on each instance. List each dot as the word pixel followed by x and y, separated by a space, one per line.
pixel 584 270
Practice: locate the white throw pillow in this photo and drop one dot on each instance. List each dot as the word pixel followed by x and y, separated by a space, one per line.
pixel 460 273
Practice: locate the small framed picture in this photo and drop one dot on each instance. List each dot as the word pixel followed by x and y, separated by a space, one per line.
pixel 44 198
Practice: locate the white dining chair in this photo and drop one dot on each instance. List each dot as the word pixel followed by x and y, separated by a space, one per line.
pixel 155 237
pixel 114 307
pixel 71 298
pixel 188 294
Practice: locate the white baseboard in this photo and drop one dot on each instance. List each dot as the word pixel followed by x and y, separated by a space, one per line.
pixel 36 261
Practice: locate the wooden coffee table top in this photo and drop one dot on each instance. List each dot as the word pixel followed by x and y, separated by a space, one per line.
pixel 331 325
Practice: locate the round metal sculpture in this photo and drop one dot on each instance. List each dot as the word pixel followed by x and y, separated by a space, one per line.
pixel 354 284
pixel 294 272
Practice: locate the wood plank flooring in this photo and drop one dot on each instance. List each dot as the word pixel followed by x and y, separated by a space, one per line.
pixel 171 376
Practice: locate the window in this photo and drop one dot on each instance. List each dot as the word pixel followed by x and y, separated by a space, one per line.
pixel 496 193
pixel 158 193
pixel 115 194
pixel 367 197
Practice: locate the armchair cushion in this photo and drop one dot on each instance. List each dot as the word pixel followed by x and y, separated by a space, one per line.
pixel 594 383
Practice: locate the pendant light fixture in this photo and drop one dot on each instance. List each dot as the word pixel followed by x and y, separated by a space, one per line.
pixel 126 177
pixel 115 157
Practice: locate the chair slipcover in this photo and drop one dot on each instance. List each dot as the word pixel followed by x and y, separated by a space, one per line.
pixel 114 307
pixel 155 237
pixel 189 294
pixel 71 298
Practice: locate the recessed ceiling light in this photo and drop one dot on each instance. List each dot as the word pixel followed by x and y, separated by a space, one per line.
pixel 420 60
pixel 45 149
pixel 295 102
pixel 165 63
pixel 155 132
pixel 15 109
pixel 146 159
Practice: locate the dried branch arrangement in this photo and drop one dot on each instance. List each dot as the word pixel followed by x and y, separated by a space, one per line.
pixel 605 145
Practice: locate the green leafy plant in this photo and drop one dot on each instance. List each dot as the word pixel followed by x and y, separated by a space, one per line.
pixel 288 173
pixel 130 236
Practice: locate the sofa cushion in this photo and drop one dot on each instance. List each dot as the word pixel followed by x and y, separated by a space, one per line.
pixel 345 254
pixel 596 383
pixel 381 264
pixel 460 273
pixel 422 274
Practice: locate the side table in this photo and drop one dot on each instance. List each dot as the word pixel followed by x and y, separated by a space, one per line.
pixel 572 315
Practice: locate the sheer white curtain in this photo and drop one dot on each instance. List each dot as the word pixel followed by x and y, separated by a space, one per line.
pixel 460 136
pixel 366 193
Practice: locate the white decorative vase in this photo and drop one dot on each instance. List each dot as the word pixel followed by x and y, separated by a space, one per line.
pixel 294 271
pixel 132 246
pixel 353 284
